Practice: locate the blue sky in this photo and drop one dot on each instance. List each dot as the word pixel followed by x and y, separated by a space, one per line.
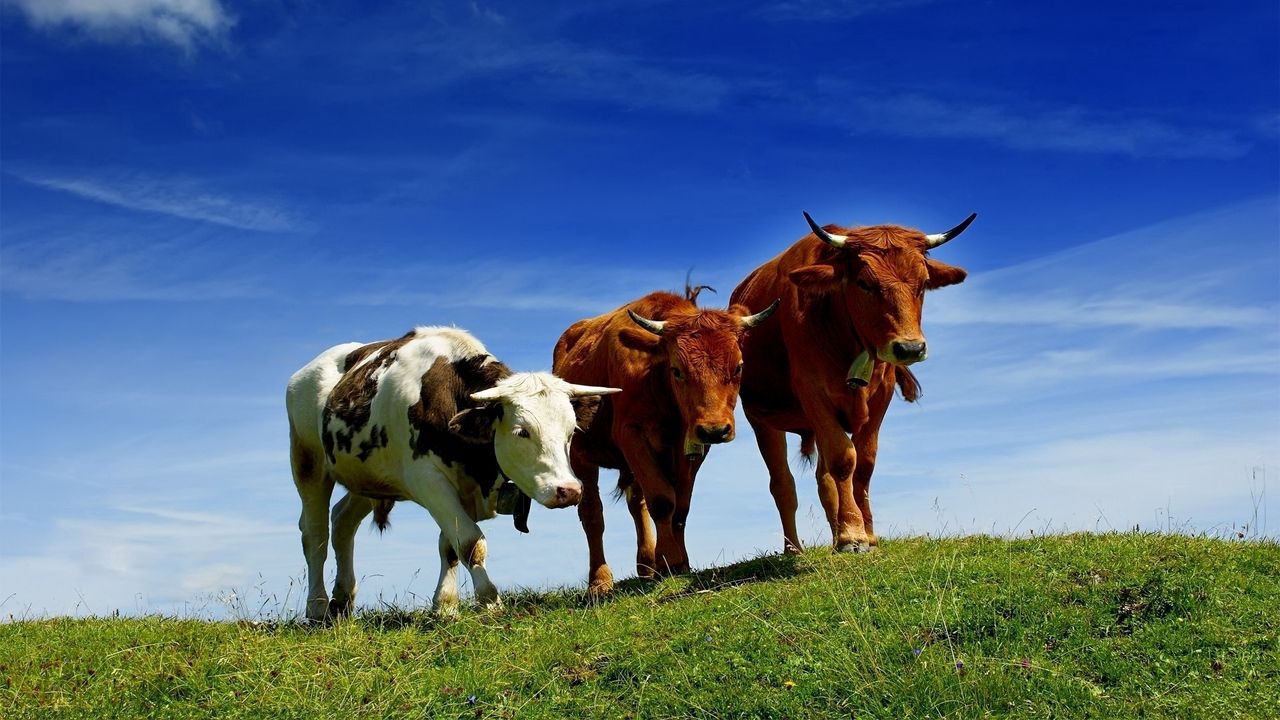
pixel 197 196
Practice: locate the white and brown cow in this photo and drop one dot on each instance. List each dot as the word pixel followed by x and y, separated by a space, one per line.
pixel 433 418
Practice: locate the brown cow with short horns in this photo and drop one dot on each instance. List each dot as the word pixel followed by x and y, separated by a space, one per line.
pixel 848 327
pixel 679 367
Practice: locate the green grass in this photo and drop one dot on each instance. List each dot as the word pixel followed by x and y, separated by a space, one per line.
pixel 1109 626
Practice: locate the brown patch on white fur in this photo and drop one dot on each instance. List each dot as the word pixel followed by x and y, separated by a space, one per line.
pixel 477 553
pixel 351 400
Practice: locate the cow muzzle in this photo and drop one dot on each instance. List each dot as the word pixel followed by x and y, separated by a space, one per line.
pixel 906 352
pixel 710 434
pixel 565 496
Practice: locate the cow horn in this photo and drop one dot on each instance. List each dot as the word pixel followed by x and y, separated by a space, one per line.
pixel 582 390
pixel 939 238
pixel 489 395
pixel 750 321
pixel 654 326
pixel 835 241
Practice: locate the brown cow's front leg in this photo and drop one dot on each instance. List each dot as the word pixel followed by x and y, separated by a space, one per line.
pixel 862 495
pixel 591 515
pixel 837 460
pixel 866 451
pixel 670 557
pixel 660 496
pixel 646 564
pixel 865 443
pixel 686 473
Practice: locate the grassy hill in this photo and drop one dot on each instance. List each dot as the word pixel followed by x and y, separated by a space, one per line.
pixel 1115 626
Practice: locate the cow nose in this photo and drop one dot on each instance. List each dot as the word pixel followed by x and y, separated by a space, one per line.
pixel 566 496
pixel 912 351
pixel 711 434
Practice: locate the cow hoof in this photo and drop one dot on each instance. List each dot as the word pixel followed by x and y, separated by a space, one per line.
pixel 854 547
pixel 789 549
pixel 318 609
pixel 340 608
pixel 600 582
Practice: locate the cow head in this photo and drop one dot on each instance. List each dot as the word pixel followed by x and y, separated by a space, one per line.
pixel 530 419
pixel 881 273
pixel 703 365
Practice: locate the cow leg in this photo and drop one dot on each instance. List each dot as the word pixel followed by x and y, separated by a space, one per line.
pixel 315 487
pixel 862 491
pixel 866 441
pixel 591 515
pixel 660 495
pixel 429 488
pixel 829 496
pixel 836 462
pixel 782 484
pixel 645 541
pixel 445 601
pixel 346 517
pixel 687 467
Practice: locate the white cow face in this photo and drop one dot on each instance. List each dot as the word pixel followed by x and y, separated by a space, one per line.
pixel 531 437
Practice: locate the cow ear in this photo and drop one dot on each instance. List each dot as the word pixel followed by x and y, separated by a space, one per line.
pixel 942 274
pixel 815 278
pixel 637 339
pixel 584 409
pixel 475 425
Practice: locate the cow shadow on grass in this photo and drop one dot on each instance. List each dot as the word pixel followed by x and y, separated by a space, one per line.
pixel 760 569
pixel 521 604
pixel 756 570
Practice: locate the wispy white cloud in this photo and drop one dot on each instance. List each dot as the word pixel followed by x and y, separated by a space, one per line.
pixel 1186 301
pixel 184 23
pixel 533 57
pixel 141 559
pixel 571 70
pixel 528 51
pixel 1205 272
pixel 1058 128
pixel 1149 312
pixel 79 268
pixel 1189 478
pixel 508 285
pixel 177 197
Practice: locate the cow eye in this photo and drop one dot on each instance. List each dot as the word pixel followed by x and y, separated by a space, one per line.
pixel 738 370
pixel 677 372
pixel 865 286
pixel 521 432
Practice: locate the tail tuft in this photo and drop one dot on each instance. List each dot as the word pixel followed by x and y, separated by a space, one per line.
pixel 625 481
pixel 382 514
pixel 808 448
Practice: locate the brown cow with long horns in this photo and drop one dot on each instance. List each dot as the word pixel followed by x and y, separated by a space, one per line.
pixel 848 327
pixel 679 367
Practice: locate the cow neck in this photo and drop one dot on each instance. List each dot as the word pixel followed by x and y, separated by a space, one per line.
pixel 843 334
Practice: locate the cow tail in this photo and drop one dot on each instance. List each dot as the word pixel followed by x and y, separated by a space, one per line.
pixel 382 514
pixel 625 481
pixel 807 447
pixel 908 385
